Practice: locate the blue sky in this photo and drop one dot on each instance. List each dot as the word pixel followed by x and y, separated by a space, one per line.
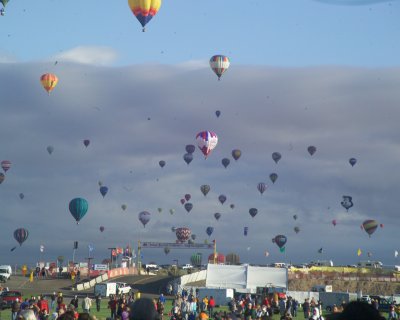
pixel 302 73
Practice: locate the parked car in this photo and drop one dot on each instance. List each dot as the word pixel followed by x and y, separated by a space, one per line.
pixel 8 297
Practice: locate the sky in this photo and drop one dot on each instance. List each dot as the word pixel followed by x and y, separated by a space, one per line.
pixel 303 73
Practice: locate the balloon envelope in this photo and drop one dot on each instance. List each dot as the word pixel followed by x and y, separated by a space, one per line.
pixel 101 229
pixel 352 161
pixel 253 212
pixel 123 206
pixel 206 142
pixel 6 165
pixel 222 198
pixel 190 148
pixel 188 197
pixel 209 230
pixel 144 10
pixel 183 234
pixel 49 81
pixel 261 187
pixel 188 157
pixel 78 208
pixel 347 202
pixel 280 240
pixel 103 190
pixel 245 231
pixel 205 188
pixel 188 206
pixel 50 149
pixel 166 250
pixel 334 222
pixel 276 156
pixel 161 163
pixel 217 215
pixel 219 64
pixel 144 217
pixel 21 235
pixel 225 162
pixel 21 196
pixel 296 229
pixel 86 142
pixel 273 177
pixel 311 150
pixel 236 154
pixel 217 113
pixel 370 226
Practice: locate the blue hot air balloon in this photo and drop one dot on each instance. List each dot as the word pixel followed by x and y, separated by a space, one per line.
pixel 222 198
pixel 209 230
pixel 103 190
pixel 188 206
pixel 253 212
pixel 276 156
pixel 217 113
pixel 78 208
pixel 280 240
pixel 190 148
pixel 352 161
pixel 225 162
pixel 161 163
pixel 188 157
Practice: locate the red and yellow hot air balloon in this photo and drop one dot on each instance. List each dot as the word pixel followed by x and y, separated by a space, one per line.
pixel 144 10
pixel 49 81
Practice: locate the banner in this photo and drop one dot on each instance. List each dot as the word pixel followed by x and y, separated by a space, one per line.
pixel 177 245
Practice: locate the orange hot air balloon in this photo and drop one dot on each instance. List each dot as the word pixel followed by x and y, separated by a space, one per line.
pixel 49 81
pixel 144 10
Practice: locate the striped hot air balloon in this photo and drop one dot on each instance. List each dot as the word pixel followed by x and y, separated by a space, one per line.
pixel 144 10
pixel 219 64
pixel 370 226
pixel 49 81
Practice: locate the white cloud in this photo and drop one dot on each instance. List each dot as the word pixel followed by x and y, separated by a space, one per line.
pixel 88 55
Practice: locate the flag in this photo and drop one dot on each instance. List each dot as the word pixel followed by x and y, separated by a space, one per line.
pixel 359 252
pixel 90 247
pixel 119 250
pixel 113 253
pixel 396 253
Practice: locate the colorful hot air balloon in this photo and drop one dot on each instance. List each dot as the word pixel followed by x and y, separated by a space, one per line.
pixel 217 113
pixel 218 258
pixel 196 258
pixel 166 250
pixel 183 234
pixel 86 142
pixel 78 208
pixel 50 149
pixel 222 198
pixel 280 240
pixel 225 162
pixel 217 215
pixel 334 222
pixel 370 226
pixel 103 190
pixel 6 165
pixel 21 235
pixel 261 187
pixel 2 177
pixel 49 81
pixel 188 206
pixel 311 150
pixel 190 148
pixel 236 153
pixel 188 157
pixel 188 197
pixel 144 10
pixel 205 188
pixel 273 177
pixel 209 230
pixel 232 259
pixel 347 202
pixel 352 161
pixel 276 156
pixel 206 141
pixel 245 231
pixel 253 212
pixel 161 163
pixel 144 217
pixel 101 229
pixel 219 64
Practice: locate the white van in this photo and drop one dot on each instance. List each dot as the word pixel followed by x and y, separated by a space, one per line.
pixel 5 273
pixel 370 264
pixel 109 288
pixel 322 288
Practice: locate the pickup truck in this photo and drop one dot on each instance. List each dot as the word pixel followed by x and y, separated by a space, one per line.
pixel 187 266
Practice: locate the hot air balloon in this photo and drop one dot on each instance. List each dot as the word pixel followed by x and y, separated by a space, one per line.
pixel 144 217
pixel 347 202
pixel 253 212
pixel 217 215
pixel 370 226
pixel 171 211
pixel 21 235
pixel 209 230
pixel 21 196
pixel 232 206
pixel 6 165
pixel 219 258
pixel 193 236
pixel 232 259
pixel 219 64
pixel 183 234
pixel 205 188
pixel 222 198
pixel 4 2
pixel 334 222
pixel 50 149
pixel 161 163
pixel 101 229
pixel 273 177
pixel 195 259
pixel 295 217
pixel 166 250
pixel 245 231
pixel 217 113
pixel 236 153
pixel 182 201
pixel 103 190
pixel 188 157
pixel 261 187
pixel 188 197
pixel 352 161
pixel 190 148
pixel 311 150
pixel 225 162
pixel 381 225
pixel 320 250
pixel 2 177
pixel 188 206
pixel 78 208
pixel 123 206
pixel 280 241
pixel 144 10
pixel 49 81
pixel 206 142
pixel 159 210
pixel 276 156
pixel 86 142
pixel 296 229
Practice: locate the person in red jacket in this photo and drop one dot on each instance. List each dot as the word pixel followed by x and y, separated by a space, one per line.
pixel 43 305
pixel 211 306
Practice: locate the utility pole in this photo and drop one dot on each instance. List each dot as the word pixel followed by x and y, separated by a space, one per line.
pixel 89 259
pixel 139 262
pixel 111 252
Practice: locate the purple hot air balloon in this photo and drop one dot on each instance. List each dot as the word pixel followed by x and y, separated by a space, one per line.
pixel 280 240
pixel 6 165
pixel 253 212
pixel 86 142
pixel 21 235
pixel 182 201
pixel 188 196
pixel 144 217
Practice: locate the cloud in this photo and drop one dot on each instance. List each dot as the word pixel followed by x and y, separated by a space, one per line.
pixel 134 120
pixel 88 55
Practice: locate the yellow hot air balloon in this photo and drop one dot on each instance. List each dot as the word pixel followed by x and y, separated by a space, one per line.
pixel 49 81
pixel 144 10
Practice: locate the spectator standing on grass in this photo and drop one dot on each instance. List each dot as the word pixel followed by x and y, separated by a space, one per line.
pixel 306 309
pixel 211 306
pixel 86 304
pixel 15 307
pixel 98 302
